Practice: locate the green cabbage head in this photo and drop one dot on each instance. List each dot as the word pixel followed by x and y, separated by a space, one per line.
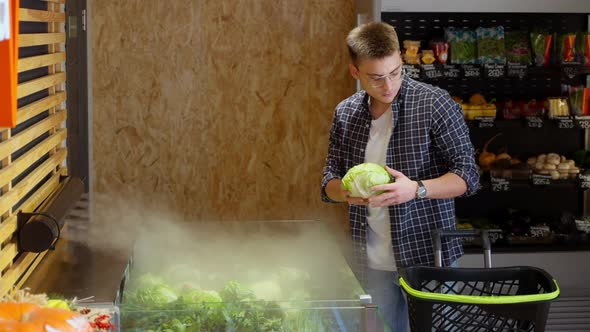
pixel 359 179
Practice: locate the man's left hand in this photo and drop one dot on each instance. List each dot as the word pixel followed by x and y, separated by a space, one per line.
pixel 398 192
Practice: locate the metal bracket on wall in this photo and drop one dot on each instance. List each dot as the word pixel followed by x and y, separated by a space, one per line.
pixel 72 26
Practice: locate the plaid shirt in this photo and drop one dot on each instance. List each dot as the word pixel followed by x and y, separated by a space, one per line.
pixel 429 139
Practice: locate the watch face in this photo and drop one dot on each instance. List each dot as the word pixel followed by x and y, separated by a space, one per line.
pixel 421 192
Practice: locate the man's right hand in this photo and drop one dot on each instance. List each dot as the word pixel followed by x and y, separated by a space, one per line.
pixel 336 193
pixel 355 200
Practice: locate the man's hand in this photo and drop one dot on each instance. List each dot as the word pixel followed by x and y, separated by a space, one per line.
pixel 336 193
pixel 398 192
pixel 355 200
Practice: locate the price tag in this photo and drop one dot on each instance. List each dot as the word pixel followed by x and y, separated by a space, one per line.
pixel 412 71
pixel 570 71
pixel 484 122
pixel 584 181
pixel 534 122
pixel 494 70
pixel 541 180
pixel 583 123
pixel 516 70
pixel 499 184
pixel 451 71
pixel 564 122
pixel 431 72
pixel 471 71
pixel 494 235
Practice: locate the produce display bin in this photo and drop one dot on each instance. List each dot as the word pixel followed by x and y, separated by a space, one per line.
pixel 244 276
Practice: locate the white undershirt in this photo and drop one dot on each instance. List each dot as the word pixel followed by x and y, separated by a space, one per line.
pixel 379 249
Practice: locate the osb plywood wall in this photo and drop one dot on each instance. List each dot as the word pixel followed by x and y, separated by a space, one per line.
pixel 219 109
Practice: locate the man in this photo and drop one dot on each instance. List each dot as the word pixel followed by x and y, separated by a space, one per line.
pixel 418 132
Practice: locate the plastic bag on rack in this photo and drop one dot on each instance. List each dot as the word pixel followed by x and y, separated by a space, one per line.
pixel 490 45
pixel 463 46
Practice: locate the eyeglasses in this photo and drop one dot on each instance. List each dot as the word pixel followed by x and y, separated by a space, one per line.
pixel 379 82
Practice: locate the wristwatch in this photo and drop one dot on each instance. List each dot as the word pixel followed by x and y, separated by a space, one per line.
pixel 421 191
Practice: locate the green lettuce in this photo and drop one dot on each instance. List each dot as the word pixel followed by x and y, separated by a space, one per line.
pixel 359 179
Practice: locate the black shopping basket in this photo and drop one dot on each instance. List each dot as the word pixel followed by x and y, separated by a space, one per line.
pixel 477 299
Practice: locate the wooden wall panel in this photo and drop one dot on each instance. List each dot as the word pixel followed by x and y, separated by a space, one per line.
pixel 32 155
pixel 218 109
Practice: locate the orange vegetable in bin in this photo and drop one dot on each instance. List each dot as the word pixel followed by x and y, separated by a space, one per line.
pixel 486 158
pixel 28 317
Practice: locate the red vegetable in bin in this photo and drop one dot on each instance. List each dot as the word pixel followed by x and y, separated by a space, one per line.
pixel 535 108
pixel 522 109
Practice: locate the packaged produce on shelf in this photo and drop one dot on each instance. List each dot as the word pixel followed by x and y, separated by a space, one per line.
pixel 582 48
pixel 565 48
pixel 411 49
pixel 441 51
pixel 558 106
pixel 411 59
pixel 555 165
pixel 428 57
pixel 579 99
pixel 477 107
pixel 517 47
pixel 490 45
pixel 463 46
pixel 586 49
pixel 541 43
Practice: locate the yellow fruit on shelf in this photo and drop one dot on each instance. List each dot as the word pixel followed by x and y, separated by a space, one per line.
pixel 477 99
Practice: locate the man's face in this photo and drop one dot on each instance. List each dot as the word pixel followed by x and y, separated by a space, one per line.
pixel 381 78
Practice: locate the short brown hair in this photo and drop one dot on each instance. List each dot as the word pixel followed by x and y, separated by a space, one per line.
pixel 372 41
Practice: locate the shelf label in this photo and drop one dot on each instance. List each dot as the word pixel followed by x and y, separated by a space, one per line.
pixel 564 122
pixel 584 181
pixel 412 71
pixel 451 71
pixel 471 71
pixel 499 184
pixel 540 232
pixel 570 71
pixel 516 70
pixel 431 72
pixel 583 123
pixel 541 180
pixel 494 70
pixel 534 122
pixel 484 122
